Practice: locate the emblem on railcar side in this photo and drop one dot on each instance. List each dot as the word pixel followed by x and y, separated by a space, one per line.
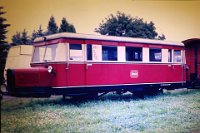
pixel 134 74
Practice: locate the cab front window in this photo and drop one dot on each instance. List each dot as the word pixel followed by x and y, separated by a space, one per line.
pixel 49 53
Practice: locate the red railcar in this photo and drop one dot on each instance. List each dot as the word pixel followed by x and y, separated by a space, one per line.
pixel 76 64
pixel 192 50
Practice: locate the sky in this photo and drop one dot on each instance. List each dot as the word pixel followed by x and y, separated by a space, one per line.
pixel 178 20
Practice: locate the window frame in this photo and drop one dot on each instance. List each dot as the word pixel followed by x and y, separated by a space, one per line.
pixel 174 56
pixel 134 51
pixel 150 55
pixel 57 54
pixel 72 46
pixel 170 56
pixel 109 57
pixel 89 56
pixel 71 50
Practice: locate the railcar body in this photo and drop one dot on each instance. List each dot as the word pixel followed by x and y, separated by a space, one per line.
pixel 18 57
pixel 76 64
pixel 192 50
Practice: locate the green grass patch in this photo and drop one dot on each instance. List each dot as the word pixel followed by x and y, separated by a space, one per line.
pixel 174 111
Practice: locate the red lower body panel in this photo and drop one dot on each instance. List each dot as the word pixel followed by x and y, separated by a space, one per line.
pixel 114 74
pixel 82 78
pixel 106 74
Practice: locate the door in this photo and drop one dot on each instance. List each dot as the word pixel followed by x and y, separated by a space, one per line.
pixel 93 70
pixel 198 63
pixel 75 67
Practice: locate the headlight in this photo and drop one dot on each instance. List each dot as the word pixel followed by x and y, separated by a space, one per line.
pixel 50 69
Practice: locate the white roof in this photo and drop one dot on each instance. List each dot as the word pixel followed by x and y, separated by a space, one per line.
pixel 106 38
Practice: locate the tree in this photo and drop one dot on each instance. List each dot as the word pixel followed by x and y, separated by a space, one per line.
pixel 161 37
pixel 3 55
pixel 25 39
pixel 52 27
pixel 37 33
pixel 125 25
pixel 3 46
pixel 66 27
pixel 16 39
pixel 34 35
pixel 40 31
pixel 3 27
pixel 21 38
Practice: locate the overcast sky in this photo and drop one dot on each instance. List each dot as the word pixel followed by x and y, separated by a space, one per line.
pixel 177 20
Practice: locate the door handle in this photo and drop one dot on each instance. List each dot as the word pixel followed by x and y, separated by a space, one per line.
pixel 67 66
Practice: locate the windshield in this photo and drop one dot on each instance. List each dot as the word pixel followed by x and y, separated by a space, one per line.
pixel 50 53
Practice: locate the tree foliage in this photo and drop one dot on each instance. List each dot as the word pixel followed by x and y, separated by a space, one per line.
pixel 16 39
pixel 37 33
pixel 25 39
pixel 3 27
pixel 52 26
pixel 125 25
pixel 3 55
pixel 3 46
pixel 21 38
pixel 66 27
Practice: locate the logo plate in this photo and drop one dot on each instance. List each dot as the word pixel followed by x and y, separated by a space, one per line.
pixel 134 74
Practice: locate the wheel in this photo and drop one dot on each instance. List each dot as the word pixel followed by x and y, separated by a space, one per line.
pixel 153 91
pixel 1 95
pixel 160 90
pixel 88 96
pixel 3 89
pixel 139 94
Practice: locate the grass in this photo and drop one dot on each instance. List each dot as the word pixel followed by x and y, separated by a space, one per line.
pixel 176 111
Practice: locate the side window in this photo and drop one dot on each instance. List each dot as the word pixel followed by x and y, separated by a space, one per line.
pixel 155 54
pixel 109 53
pixel 177 55
pixel 89 52
pixel 169 55
pixel 76 52
pixel 75 46
pixel 133 54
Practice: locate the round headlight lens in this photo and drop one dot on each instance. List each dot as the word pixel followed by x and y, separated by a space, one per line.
pixel 50 69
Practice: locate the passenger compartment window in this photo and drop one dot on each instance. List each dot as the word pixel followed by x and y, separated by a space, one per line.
pixel 155 55
pixel 89 52
pixel 76 53
pixel 169 55
pixel 109 53
pixel 177 55
pixel 133 54
pixel 75 46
